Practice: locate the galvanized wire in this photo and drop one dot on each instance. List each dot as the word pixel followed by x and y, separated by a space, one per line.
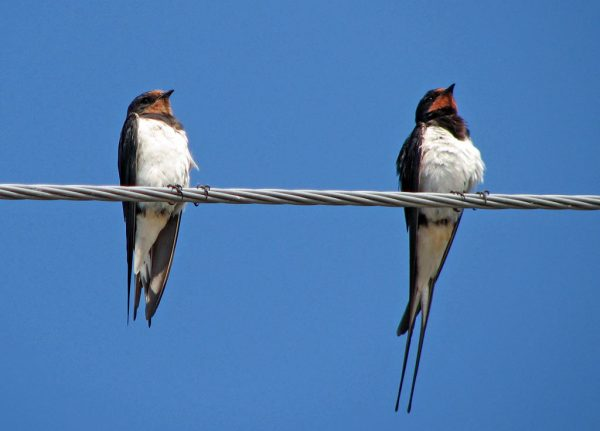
pixel 206 195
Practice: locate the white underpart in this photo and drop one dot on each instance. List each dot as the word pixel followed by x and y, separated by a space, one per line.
pixel 447 165
pixel 431 245
pixel 163 159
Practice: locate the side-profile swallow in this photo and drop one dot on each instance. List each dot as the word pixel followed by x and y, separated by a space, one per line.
pixel 438 156
pixel 153 151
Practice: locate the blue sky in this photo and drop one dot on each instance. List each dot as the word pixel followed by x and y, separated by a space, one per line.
pixel 281 317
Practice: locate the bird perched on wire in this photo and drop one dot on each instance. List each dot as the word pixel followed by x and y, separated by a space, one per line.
pixel 438 156
pixel 153 151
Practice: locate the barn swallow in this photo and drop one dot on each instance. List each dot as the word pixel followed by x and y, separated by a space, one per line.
pixel 438 156
pixel 153 151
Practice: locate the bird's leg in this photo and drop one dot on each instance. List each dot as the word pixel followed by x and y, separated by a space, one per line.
pixel 178 188
pixel 206 189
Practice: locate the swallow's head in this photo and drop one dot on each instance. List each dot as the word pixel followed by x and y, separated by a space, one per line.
pixel 436 103
pixel 155 102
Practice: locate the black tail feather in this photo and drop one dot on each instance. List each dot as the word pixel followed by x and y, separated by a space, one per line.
pixel 403 326
pixel 406 351
pixel 128 291
pixel 424 318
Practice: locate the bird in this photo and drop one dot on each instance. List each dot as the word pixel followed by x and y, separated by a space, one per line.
pixel 438 156
pixel 153 152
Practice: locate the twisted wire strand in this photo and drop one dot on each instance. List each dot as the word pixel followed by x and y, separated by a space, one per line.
pixel 296 197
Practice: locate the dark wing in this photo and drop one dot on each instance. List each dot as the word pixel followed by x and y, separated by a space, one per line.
pixel 408 168
pixel 127 176
pixel 162 253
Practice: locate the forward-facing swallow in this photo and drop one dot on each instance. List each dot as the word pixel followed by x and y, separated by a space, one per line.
pixel 438 156
pixel 153 151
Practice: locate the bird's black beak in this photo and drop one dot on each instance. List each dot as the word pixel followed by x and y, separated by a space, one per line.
pixel 450 89
pixel 166 94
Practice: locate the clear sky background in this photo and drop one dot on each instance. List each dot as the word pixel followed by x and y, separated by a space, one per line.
pixel 282 317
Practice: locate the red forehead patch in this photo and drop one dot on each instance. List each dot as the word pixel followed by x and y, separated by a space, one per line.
pixel 443 100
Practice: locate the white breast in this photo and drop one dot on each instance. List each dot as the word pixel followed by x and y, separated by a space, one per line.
pixel 163 157
pixel 448 165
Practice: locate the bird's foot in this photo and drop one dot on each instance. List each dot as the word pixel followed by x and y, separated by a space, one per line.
pixel 484 194
pixel 462 195
pixel 206 189
pixel 178 188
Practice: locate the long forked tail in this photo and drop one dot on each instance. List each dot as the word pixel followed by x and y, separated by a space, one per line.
pixel 408 325
pixel 424 318
pixel 406 350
